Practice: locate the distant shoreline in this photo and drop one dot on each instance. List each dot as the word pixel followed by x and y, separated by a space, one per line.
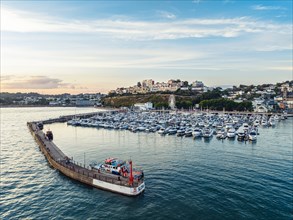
pixel 45 106
pixel 48 106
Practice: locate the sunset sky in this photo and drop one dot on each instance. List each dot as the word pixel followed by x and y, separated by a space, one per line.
pixel 94 46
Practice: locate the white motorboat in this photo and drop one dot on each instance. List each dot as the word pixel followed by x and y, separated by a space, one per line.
pixel 221 134
pixel 172 131
pixel 207 133
pixel 256 123
pixel 188 132
pixel 197 133
pixel 272 122
pixel 231 133
pixel 161 131
pixel 252 135
pixel 180 132
pixel 264 123
pixel 240 134
pixel 245 126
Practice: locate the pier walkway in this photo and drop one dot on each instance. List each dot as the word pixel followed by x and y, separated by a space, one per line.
pixel 85 115
pixel 69 167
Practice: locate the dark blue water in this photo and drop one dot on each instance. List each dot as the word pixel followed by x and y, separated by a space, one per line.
pixel 185 178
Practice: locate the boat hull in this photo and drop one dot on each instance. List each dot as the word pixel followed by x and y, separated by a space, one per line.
pixel 128 191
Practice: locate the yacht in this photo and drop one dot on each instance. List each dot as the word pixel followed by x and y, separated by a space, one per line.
pixel 252 135
pixel 231 133
pixel 276 117
pixel 188 132
pixel 180 132
pixel 219 133
pixel 245 126
pixel 172 131
pixel 141 128
pixel 161 131
pixel 264 122
pixel 256 123
pixel 272 122
pixel 207 133
pixel 197 133
pixel 240 134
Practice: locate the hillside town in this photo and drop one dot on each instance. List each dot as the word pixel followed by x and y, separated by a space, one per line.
pixel 35 99
pixel 264 98
pixel 149 85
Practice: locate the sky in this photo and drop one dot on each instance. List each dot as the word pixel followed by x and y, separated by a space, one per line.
pixel 53 47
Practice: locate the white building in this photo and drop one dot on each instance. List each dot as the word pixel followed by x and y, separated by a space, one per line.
pixel 261 109
pixel 287 87
pixel 83 102
pixel 198 84
pixel 148 83
pixel 154 89
pixel 143 106
pixel 240 93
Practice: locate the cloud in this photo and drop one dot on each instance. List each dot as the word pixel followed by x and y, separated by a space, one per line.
pixel 98 56
pixel 35 82
pixel 166 14
pixel 5 78
pixel 266 8
pixel 282 68
pixel 127 29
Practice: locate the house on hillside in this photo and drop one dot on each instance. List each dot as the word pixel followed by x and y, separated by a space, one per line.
pixel 143 106
pixel 261 109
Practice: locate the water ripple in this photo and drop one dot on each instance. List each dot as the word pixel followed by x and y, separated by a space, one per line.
pixel 185 178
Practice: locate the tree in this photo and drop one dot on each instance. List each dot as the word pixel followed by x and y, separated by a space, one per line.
pixel 186 104
pixel 229 105
pixel 161 105
pixel 185 83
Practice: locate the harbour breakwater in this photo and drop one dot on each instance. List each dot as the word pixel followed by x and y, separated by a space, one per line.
pixel 58 160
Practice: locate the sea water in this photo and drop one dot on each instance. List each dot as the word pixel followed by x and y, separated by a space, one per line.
pixel 185 178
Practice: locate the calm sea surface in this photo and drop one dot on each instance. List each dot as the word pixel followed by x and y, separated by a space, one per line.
pixel 185 178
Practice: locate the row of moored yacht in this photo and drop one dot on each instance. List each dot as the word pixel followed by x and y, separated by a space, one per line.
pixel 224 126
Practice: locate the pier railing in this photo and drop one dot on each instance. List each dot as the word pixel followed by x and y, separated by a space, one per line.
pixel 69 117
pixel 72 166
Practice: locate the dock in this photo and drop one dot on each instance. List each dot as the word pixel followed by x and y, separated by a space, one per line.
pixel 66 118
pixel 76 171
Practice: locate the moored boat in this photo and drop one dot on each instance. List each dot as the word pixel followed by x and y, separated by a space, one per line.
pixel 188 133
pixel 197 133
pixel 252 135
pixel 180 132
pixel 161 131
pixel 231 133
pixel 117 167
pixel 241 134
pixel 207 133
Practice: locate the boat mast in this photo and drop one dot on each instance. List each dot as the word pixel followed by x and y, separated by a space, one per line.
pixel 130 177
